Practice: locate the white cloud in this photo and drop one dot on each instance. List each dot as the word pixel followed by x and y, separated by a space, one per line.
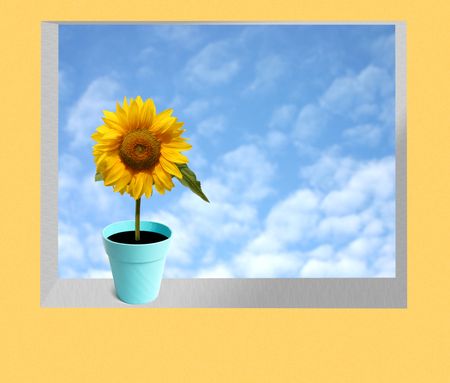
pixel 374 180
pixel 146 53
pixel 342 268
pixel 345 226
pixel 79 248
pixel 344 220
pixel 81 195
pixel 309 124
pixel 274 246
pixel 276 139
pixel 145 60
pixel 365 100
pixel 359 218
pixel 290 221
pixel 145 71
pixel 282 117
pixel 383 50
pixel 185 36
pixel 365 134
pixel 220 270
pixel 280 127
pixel 266 265
pixel 386 267
pixel 385 263
pixel 197 158
pixel 267 72
pixel 184 240
pixel 69 163
pixel 213 65
pixel 248 172
pixel 85 115
pixel 93 241
pixel 360 248
pixel 219 221
pixel 196 108
pixel 387 113
pixel 323 252
pixel 65 87
pixel 344 201
pixel 211 126
pixel 98 274
pixel 374 227
pixel 70 248
pixel 356 95
pixel 329 172
pixel 272 140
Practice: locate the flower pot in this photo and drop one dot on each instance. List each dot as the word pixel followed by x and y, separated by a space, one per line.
pixel 137 268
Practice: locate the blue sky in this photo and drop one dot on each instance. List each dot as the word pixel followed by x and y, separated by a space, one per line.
pixel 293 134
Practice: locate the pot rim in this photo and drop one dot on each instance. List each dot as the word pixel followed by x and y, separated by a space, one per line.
pixel 166 231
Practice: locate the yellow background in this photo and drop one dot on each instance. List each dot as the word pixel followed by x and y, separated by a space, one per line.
pixel 227 345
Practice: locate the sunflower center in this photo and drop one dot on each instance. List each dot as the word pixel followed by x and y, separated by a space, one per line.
pixel 140 150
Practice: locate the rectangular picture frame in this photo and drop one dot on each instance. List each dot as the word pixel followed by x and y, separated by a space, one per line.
pixel 214 292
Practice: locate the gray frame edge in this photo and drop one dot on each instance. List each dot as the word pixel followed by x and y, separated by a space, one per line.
pixel 49 159
pixel 225 293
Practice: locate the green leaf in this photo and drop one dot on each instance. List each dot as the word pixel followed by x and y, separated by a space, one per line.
pixel 190 180
pixel 98 177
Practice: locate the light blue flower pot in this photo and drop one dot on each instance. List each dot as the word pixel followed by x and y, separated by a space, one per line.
pixel 137 269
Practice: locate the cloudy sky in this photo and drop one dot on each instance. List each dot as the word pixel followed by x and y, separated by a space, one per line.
pixel 293 134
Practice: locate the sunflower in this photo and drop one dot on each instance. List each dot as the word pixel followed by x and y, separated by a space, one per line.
pixel 137 148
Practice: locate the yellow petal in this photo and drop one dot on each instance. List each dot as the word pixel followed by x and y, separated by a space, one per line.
pixel 164 177
pixel 177 144
pixel 147 114
pixel 121 116
pixel 130 185
pixel 114 174
pixel 114 125
pixel 138 185
pixel 158 184
pixel 133 116
pixel 148 185
pixel 110 115
pixel 97 136
pixel 177 125
pixel 171 134
pixel 102 129
pixel 112 135
pixel 109 162
pixel 107 145
pixel 162 121
pixel 122 183
pixel 170 167
pixel 173 155
pixel 125 104
pixel 172 129
pixel 99 158
pixel 139 102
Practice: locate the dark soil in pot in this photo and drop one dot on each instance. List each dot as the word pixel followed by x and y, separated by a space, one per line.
pixel 127 237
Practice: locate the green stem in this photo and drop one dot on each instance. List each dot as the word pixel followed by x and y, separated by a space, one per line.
pixel 137 222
